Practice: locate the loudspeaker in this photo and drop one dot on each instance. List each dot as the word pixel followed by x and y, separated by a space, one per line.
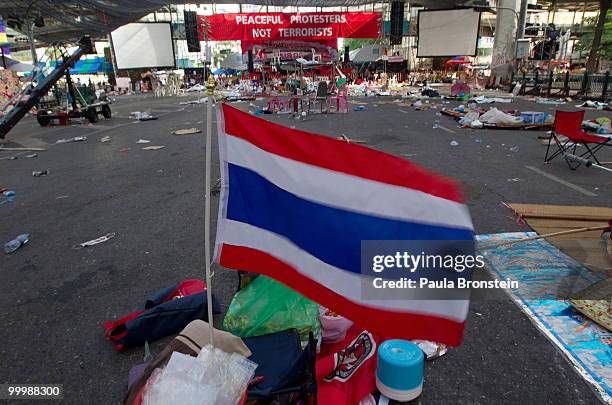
pixel 397 22
pixel 346 55
pixel 250 61
pixel 191 31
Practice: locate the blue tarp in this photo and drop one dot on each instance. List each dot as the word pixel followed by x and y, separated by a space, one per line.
pixel 545 274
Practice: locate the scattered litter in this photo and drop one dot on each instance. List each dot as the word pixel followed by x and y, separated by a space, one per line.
pixel 360 108
pixel 514 149
pixel 430 92
pixel 13 158
pixel 105 139
pixel 478 140
pixel 403 111
pixel 143 141
pixel 468 118
pixel 478 313
pixel 484 100
pixel 7 197
pixel 16 243
pixel 22 149
pixel 154 147
pixel 142 116
pixel 408 154
pixel 202 100
pixel 476 124
pixel 33 155
pixel 514 179
pixel 125 150
pixel 533 117
pixel 547 101
pixel 593 104
pixel 62 196
pixel 495 116
pixel 187 131
pixel 96 241
pixel 41 173
pixel 454 143
pixel 75 139
pixel 432 350
pixel 214 377
pixel 348 140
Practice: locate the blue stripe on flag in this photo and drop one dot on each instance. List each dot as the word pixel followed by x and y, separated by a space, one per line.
pixel 331 234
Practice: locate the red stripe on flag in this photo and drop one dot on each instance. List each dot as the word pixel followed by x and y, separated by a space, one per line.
pixel 329 153
pixel 392 324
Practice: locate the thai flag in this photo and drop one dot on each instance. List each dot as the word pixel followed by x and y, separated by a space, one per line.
pixel 295 206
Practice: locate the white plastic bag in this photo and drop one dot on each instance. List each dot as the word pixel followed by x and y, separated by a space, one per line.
pixel 494 116
pixel 467 119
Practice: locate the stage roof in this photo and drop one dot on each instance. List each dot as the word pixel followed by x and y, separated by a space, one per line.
pixel 69 20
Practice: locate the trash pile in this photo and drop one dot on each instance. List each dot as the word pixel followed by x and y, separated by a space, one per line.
pixel 213 377
pixel 597 105
pixel 277 346
pixel 600 125
pixel 475 117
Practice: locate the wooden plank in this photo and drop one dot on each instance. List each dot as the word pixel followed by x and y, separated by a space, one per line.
pixel 576 212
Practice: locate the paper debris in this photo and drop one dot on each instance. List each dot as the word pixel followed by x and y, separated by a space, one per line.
pixel 187 131
pixel 153 147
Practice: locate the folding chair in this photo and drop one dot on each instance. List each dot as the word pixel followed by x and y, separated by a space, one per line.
pixel 568 125
pixel 341 103
pixel 320 97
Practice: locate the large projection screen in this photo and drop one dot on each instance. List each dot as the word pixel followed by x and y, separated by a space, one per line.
pixel 143 45
pixel 448 32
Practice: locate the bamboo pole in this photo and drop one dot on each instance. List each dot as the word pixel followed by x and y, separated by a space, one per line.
pixel 548 235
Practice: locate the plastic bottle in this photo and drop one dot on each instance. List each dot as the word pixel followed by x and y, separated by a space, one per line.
pixel 16 243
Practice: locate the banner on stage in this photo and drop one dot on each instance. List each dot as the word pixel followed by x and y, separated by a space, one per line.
pixel 290 26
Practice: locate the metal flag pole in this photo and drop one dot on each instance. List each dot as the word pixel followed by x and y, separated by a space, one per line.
pixel 210 86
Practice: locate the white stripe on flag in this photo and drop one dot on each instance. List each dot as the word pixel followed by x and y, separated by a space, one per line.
pixel 346 191
pixel 342 282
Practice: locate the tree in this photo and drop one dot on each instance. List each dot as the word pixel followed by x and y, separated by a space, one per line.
pixel 356 43
pixel 598 37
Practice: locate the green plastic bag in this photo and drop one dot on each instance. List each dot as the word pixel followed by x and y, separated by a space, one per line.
pixel 266 306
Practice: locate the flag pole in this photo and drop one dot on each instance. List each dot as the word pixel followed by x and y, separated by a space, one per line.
pixel 210 87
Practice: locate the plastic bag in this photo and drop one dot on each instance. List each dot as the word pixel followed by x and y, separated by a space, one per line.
pixel 266 306
pixel 333 326
pixel 494 116
pixel 468 118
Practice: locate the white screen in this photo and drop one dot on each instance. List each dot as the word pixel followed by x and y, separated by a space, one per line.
pixel 448 33
pixel 143 45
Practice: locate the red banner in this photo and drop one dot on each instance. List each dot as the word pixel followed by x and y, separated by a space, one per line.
pixel 256 27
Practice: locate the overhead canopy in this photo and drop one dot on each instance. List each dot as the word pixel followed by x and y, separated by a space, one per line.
pixel 69 20
pixel 368 53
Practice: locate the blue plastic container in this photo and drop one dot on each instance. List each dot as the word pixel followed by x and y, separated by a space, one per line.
pixel 399 375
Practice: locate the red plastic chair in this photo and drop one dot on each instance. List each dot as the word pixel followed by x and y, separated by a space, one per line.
pixel 568 124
